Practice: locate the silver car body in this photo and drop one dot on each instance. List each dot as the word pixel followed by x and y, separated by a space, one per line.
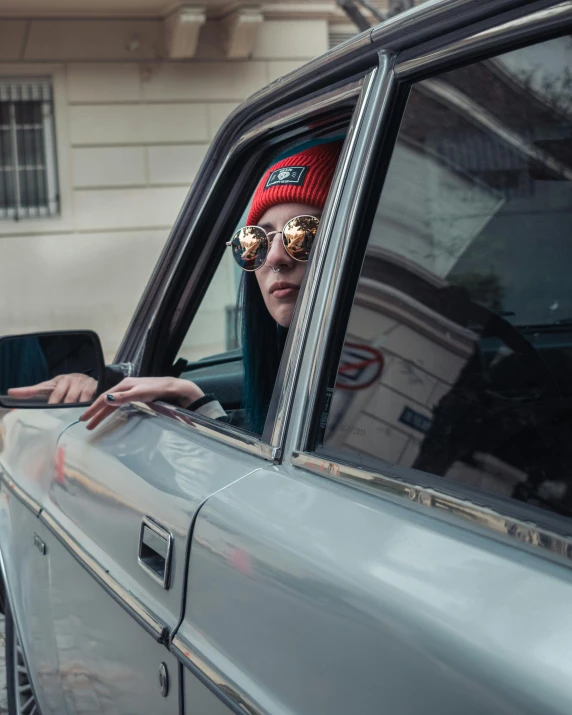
pixel 297 585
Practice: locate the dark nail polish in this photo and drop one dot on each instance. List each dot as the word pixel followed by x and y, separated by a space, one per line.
pixel 110 398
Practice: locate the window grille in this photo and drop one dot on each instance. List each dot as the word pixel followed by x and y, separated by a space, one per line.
pixel 28 172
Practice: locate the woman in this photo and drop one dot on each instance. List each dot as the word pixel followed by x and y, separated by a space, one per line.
pixel 287 204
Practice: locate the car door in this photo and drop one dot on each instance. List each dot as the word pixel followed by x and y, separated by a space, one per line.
pixel 122 500
pixel 137 482
pixel 27 446
pixel 411 553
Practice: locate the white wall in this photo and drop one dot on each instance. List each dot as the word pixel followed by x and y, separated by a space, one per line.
pixel 132 130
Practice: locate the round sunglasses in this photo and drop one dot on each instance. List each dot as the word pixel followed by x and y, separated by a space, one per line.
pixel 251 244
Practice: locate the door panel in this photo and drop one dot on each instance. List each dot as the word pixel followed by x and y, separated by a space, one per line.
pixel 107 662
pixel 24 544
pixel 28 441
pixel 137 463
pixel 307 596
pixel 27 446
pixel 200 700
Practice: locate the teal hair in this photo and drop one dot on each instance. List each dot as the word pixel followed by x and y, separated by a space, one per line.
pixel 262 342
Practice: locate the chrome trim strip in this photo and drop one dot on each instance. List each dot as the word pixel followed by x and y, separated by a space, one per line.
pixel 422 23
pixel 487 40
pixel 286 388
pixel 19 493
pixel 220 431
pixel 519 531
pixel 4 577
pixel 376 114
pixel 121 595
pixel 436 18
pixel 165 536
pixel 344 93
pixel 213 679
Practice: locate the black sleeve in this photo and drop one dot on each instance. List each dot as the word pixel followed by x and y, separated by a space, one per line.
pixel 112 375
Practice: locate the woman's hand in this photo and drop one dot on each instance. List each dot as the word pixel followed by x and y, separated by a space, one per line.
pixel 68 389
pixel 141 389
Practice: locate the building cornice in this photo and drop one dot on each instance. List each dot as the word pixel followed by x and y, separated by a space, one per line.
pixel 162 9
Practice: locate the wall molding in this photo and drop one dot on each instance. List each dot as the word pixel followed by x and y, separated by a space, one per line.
pixel 162 9
pixel 182 29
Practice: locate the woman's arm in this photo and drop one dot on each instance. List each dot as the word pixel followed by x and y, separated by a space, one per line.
pixel 148 389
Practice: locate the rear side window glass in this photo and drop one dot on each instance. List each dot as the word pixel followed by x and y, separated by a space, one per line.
pixel 458 354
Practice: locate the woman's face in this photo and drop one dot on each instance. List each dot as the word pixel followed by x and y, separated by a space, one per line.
pixel 280 290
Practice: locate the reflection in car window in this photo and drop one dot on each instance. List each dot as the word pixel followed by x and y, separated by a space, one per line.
pixel 458 354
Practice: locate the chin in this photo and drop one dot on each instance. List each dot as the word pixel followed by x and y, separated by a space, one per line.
pixel 284 317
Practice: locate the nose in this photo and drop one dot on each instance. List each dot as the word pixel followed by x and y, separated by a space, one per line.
pixel 277 255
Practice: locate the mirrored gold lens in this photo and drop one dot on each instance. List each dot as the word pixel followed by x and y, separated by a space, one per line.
pixel 298 236
pixel 250 247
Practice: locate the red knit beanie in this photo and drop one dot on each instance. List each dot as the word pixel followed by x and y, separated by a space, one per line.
pixel 304 178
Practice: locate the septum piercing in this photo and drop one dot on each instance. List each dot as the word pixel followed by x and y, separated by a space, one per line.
pixel 276 270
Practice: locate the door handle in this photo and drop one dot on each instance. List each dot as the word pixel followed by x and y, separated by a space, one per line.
pixel 155 551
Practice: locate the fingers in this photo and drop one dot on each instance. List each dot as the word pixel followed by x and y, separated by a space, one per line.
pixel 60 390
pixel 99 417
pixel 73 394
pixel 88 390
pixel 102 403
pixel 42 389
pixel 105 408
pixel 133 389
pixel 81 389
pixel 97 412
pixel 68 389
pixel 93 409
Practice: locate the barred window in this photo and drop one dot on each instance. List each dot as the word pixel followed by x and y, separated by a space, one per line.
pixel 28 173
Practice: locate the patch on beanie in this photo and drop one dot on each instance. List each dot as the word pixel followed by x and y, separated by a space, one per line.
pixel 288 176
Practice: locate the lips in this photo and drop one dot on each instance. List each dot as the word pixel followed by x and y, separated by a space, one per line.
pixel 283 289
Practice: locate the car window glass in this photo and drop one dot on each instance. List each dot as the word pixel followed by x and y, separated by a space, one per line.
pixel 252 295
pixel 458 354
pixel 213 330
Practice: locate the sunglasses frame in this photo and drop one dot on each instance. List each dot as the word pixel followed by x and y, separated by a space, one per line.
pixel 268 235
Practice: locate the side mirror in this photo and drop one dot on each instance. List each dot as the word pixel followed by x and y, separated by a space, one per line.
pixel 56 369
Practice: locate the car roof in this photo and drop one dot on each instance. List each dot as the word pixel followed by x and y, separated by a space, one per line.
pixel 421 24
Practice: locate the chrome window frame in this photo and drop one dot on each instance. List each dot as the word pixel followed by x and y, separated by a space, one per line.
pixel 487 39
pixel 522 531
pixel 215 429
pixel 329 292
pixel 269 445
pixel 284 389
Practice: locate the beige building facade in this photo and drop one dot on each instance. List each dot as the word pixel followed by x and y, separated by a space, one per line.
pixel 137 90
